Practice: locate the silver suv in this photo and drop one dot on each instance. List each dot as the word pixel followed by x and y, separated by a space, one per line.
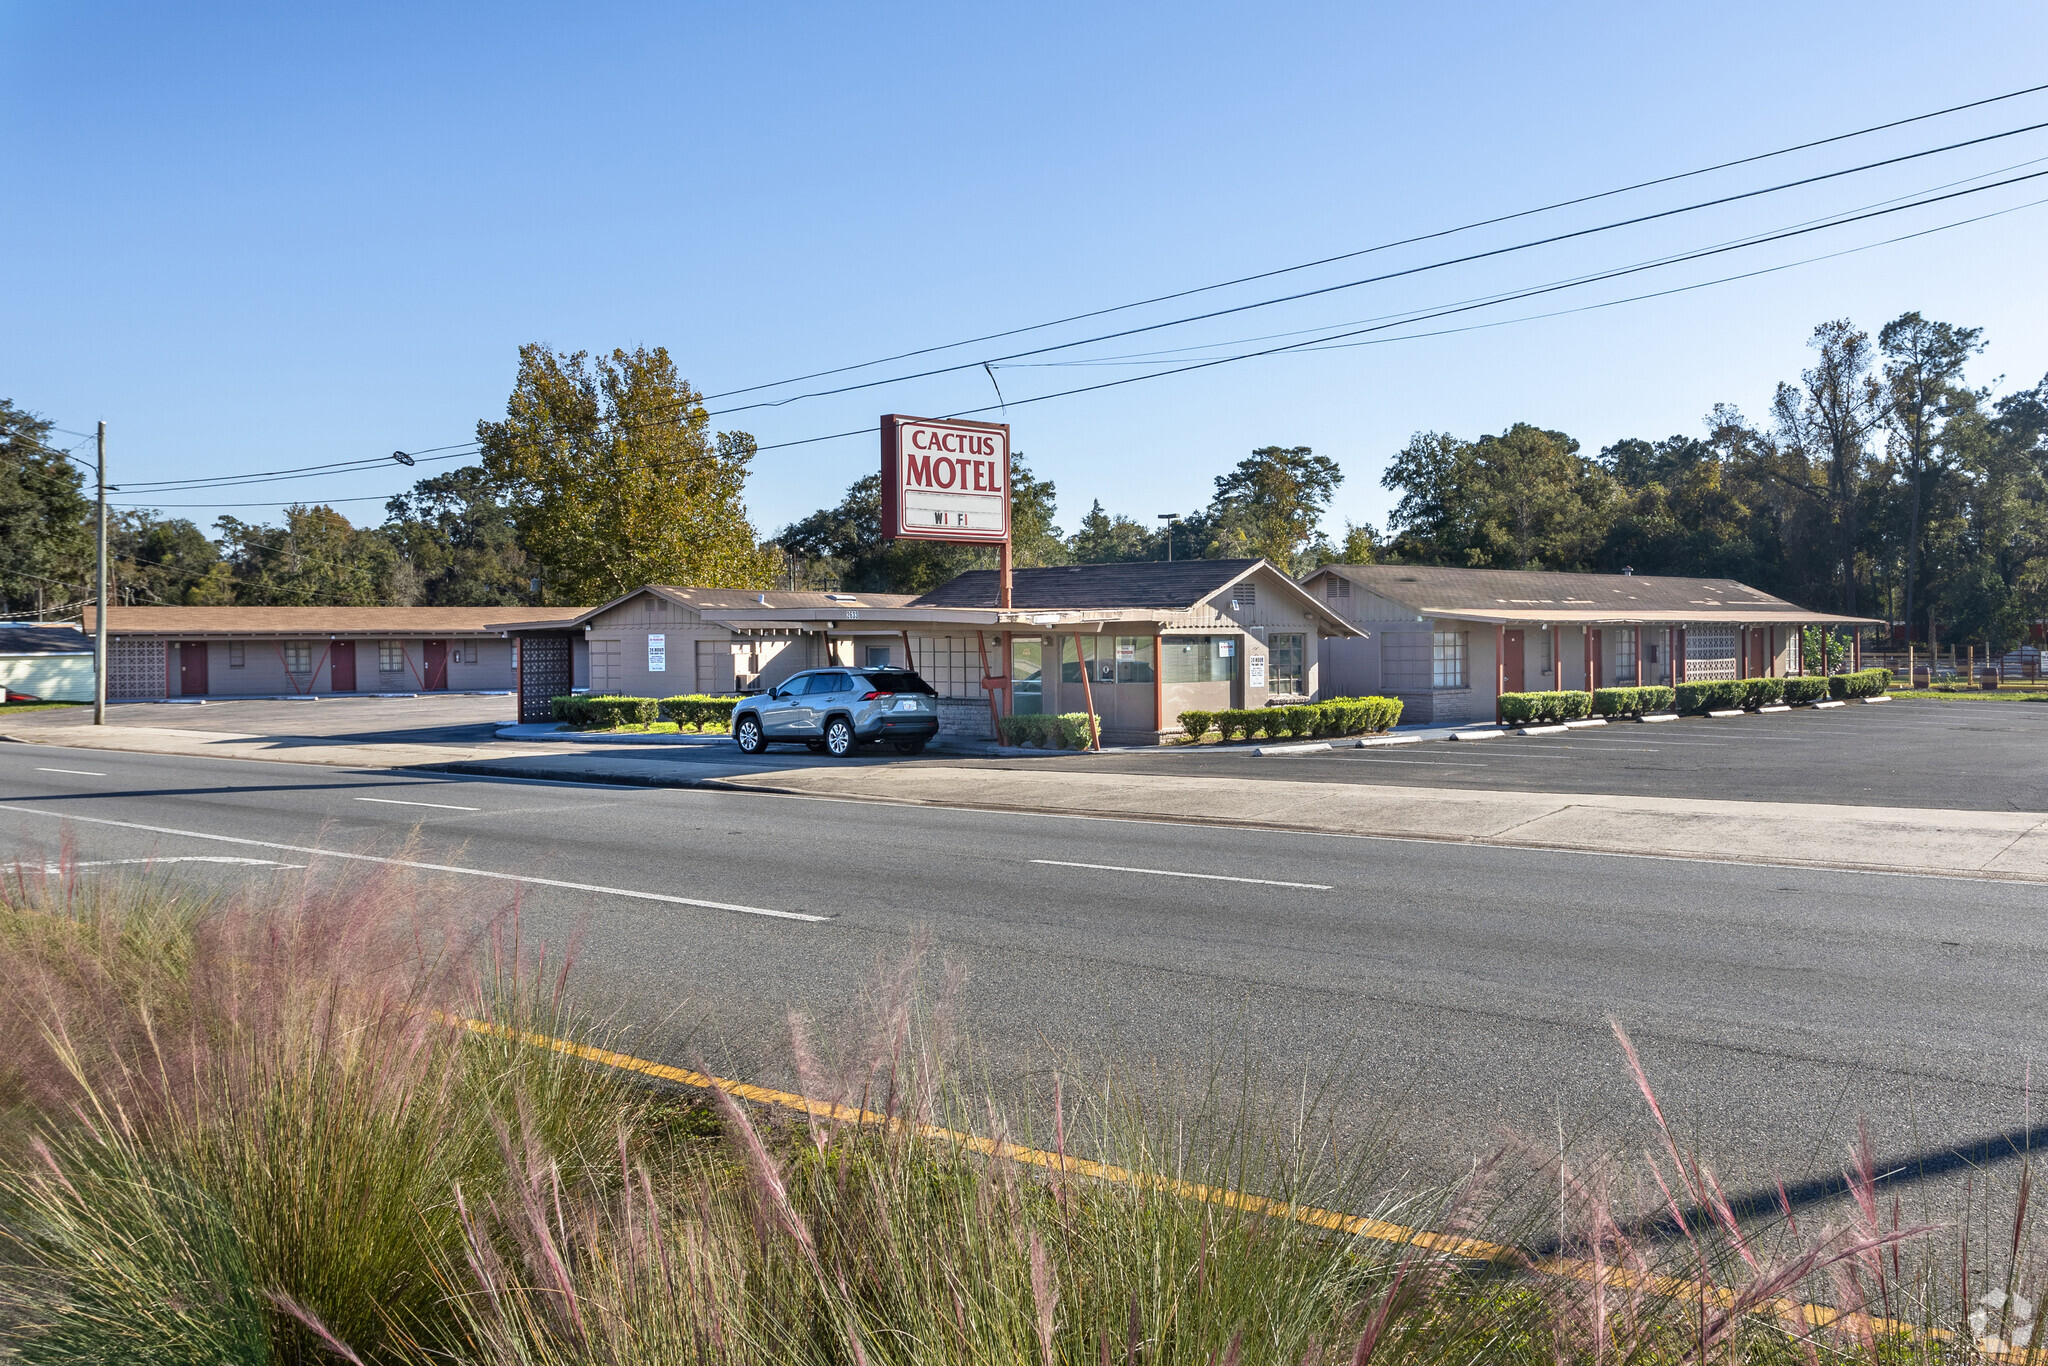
pixel 834 710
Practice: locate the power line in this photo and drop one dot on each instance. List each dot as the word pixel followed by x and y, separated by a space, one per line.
pixel 1402 242
pixel 1390 275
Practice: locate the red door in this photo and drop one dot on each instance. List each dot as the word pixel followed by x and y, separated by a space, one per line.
pixel 1599 660
pixel 436 653
pixel 343 675
pixel 1759 653
pixel 1511 662
pixel 192 669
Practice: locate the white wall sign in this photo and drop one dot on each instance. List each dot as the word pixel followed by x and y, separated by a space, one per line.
pixel 657 653
pixel 1257 665
pixel 945 481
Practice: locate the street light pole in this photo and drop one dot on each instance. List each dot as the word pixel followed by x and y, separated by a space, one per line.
pixel 99 616
pixel 1172 519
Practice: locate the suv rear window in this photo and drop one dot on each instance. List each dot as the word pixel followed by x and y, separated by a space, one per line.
pixel 899 680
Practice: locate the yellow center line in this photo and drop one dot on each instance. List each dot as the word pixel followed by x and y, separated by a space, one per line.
pixel 1353 1225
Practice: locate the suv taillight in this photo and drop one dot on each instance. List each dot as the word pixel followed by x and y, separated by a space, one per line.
pixel 875 696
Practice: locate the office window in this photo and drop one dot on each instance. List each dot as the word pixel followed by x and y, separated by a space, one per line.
pixel 1447 657
pixel 390 657
pixel 298 656
pixel 1099 670
pixel 235 656
pixel 1284 665
pixel 1336 587
pixel 1244 595
pixel 1134 659
pixel 1200 659
pixel 1027 675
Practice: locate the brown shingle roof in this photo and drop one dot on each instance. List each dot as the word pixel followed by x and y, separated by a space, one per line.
pixel 319 621
pixel 1554 595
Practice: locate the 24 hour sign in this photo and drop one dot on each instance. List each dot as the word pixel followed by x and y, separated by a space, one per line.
pixel 945 480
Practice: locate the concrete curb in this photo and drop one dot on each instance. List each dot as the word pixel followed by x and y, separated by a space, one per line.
pixel 1868 700
pixel 1477 734
pixel 1653 717
pixel 1589 721
pixel 1378 741
pixel 1311 747
pixel 1761 711
pixel 1823 706
pixel 1723 715
pixel 1545 730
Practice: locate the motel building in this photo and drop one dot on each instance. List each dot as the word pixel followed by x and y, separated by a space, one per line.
pixel 1142 642
pixel 161 653
pixel 1448 642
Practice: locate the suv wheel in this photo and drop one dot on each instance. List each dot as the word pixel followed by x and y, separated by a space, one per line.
pixel 839 737
pixel 747 735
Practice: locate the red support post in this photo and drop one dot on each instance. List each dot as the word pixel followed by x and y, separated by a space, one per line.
pixel 1087 693
pixel 1500 668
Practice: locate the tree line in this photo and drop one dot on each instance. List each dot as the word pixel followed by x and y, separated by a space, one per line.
pixel 1881 482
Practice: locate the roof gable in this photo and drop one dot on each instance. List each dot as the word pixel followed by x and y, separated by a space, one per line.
pixel 1175 586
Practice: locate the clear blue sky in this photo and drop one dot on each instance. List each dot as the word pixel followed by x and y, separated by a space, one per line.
pixel 270 235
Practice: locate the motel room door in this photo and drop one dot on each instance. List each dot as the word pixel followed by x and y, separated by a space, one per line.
pixel 1511 662
pixel 192 669
pixel 342 669
pixel 1599 640
pixel 434 654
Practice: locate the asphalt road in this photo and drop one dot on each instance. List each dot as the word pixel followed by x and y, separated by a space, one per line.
pixel 1464 990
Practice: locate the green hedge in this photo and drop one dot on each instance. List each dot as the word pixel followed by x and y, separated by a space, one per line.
pixel 1696 699
pixel 1544 708
pixel 1862 683
pixel 699 711
pixel 1048 732
pixel 1338 716
pixel 1801 689
pixel 1762 692
pixel 1631 701
pixel 605 713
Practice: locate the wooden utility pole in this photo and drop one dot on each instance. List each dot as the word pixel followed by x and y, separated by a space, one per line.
pixel 99 622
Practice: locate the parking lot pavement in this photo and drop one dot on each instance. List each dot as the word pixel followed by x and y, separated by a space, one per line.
pixel 1960 756
pixel 429 719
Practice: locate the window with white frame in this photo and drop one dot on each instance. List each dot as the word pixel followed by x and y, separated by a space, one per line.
pixel 390 657
pixel 298 656
pixel 1447 659
pixel 1285 655
pixel 1625 654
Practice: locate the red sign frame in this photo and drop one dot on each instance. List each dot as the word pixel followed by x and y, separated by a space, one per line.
pixel 945 468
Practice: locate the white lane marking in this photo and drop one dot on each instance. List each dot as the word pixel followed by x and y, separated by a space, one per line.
pixel 185 858
pixel 81 772
pixel 439 806
pixel 429 867
pixel 1168 872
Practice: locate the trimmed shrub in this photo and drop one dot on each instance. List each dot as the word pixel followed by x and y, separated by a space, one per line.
pixel 1197 723
pixel 605 713
pixel 1631 701
pixel 1801 690
pixel 1862 683
pixel 1696 699
pixel 1047 732
pixel 1073 730
pixel 1662 697
pixel 1302 720
pixel 1544 708
pixel 699 710
pixel 1362 715
pixel 1762 692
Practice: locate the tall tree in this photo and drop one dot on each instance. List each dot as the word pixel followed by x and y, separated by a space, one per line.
pixel 1827 419
pixel 1525 499
pixel 460 540
pixel 169 561
pixel 845 541
pixel 616 480
pixel 316 559
pixel 1923 367
pixel 1103 539
pixel 46 533
pixel 1272 504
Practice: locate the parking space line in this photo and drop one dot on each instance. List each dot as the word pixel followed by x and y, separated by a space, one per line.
pixel 1169 872
pixel 439 806
pixel 433 867
pixel 1432 763
pixel 81 772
